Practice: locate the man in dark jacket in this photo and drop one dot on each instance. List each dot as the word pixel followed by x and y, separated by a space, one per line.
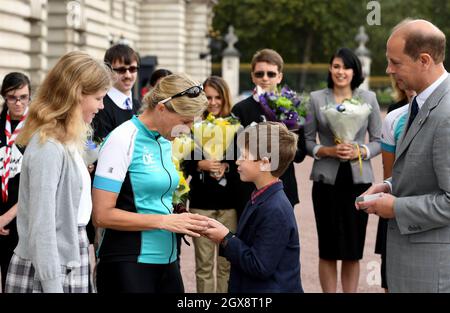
pixel 267 67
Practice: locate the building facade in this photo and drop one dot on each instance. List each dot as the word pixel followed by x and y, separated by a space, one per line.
pixel 35 33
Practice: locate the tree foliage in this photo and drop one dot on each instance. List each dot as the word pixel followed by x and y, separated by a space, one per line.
pixel 311 30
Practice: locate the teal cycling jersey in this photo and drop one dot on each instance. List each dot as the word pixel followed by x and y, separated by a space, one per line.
pixel 136 163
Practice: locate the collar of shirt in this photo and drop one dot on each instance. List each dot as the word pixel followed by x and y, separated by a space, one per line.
pixel 257 193
pixel 119 98
pixel 423 96
pixel 255 95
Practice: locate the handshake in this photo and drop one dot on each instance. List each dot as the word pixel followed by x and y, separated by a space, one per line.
pixel 194 225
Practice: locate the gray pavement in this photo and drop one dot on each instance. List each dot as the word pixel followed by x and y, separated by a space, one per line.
pixel 369 280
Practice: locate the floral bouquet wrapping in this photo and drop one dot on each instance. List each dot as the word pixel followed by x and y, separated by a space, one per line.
pixel 91 150
pixel 285 106
pixel 181 147
pixel 346 119
pixel 214 135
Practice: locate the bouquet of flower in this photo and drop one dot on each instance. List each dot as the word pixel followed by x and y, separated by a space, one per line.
pixel 92 147
pixel 181 147
pixel 180 194
pixel 285 106
pixel 214 135
pixel 346 119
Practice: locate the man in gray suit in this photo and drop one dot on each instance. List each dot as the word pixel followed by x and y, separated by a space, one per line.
pixel 416 198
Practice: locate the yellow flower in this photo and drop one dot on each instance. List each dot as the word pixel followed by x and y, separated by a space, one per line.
pixel 181 147
pixel 214 135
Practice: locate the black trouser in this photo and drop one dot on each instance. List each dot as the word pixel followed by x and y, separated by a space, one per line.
pixel 129 277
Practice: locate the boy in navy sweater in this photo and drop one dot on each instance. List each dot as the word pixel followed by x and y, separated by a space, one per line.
pixel 265 251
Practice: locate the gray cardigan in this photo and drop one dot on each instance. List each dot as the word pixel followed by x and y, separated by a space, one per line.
pixel 325 169
pixel 49 196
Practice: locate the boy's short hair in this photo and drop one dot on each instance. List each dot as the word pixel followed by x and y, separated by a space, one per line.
pixel 122 53
pixel 269 56
pixel 270 140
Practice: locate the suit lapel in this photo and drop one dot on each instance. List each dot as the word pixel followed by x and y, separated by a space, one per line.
pixel 248 211
pixel 421 118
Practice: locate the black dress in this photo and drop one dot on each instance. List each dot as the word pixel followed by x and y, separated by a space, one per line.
pixel 341 228
pixel 8 243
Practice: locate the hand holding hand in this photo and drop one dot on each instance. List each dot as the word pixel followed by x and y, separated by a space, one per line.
pixel 215 231
pixel 209 165
pixel 345 151
pixel 185 223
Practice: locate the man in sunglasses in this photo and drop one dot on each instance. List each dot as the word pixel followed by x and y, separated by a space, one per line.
pixel 119 104
pixel 267 67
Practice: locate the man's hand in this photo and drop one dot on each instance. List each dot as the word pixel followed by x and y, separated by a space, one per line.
pixel 383 206
pixel 377 188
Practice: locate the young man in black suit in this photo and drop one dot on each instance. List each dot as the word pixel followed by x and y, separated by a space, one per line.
pixel 267 67
pixel 120 106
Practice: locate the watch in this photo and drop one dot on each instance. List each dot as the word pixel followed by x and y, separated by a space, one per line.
pixel 225 239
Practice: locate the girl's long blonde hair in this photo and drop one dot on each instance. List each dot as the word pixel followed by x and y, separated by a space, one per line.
pixel 56 109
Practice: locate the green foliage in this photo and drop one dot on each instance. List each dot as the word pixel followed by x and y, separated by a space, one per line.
pixel 311 30
pixel 384 97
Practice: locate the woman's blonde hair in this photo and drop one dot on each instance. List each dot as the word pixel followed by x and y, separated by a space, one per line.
pixel 171 85
pixel 56 111
pixel 397 93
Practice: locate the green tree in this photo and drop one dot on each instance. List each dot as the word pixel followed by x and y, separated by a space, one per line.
pixel 311 30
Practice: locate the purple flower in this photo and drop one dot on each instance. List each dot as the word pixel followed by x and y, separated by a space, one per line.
pixel 286 110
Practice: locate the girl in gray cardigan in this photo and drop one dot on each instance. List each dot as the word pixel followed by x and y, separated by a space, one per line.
pixel 54 193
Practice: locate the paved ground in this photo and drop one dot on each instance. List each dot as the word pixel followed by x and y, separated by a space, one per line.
pixel 369 278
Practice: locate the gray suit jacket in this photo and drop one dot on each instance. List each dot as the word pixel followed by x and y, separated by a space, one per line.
pixel 418 242
pixel 325 169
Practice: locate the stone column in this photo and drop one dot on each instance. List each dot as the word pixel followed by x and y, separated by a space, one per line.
pixel 230 63
pixel 198 22
pixel 66 28
pixel 364 56
pixel 163 32
pixel 38 40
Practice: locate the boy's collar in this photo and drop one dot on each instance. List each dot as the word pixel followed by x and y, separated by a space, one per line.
pixel 257 193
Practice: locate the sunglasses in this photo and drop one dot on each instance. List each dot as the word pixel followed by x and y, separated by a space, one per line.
pixel 260 74
pixel 122 70
pixel 24 99
pixel 191 92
